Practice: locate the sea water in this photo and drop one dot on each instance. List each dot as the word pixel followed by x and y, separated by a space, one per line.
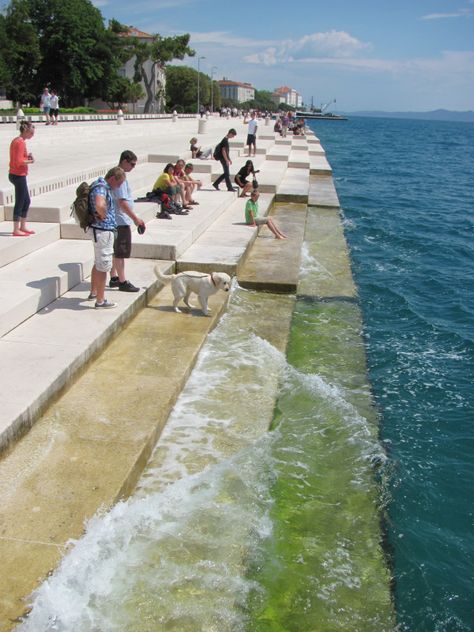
pixel 407 192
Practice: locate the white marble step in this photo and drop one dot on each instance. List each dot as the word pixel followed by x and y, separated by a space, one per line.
pixel 29 284
pixel 13 248
pixel 222 247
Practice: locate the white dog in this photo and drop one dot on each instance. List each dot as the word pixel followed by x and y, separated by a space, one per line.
pixel 192 282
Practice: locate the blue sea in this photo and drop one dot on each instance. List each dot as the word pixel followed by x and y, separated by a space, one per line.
pixel 406 188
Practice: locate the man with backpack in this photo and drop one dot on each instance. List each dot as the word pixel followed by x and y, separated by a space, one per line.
pixel 221 153
pixel 102 207
pixel 124 216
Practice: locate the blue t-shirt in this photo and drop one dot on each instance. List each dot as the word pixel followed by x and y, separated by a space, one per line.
pixel 123 193
pixel 100 187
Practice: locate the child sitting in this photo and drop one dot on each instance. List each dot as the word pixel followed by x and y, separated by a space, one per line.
pixel 252 218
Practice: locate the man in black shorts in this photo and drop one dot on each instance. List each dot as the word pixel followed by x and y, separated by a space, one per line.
pixel 252 134
pixel 124 216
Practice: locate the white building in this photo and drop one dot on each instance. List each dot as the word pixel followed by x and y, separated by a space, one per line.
pixel 236 91
pixel 287 95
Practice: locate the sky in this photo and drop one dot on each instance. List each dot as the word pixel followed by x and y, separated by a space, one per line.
pixel 398 55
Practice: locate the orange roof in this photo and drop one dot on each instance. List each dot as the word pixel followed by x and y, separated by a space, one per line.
pixel 134 32
pixel 227 82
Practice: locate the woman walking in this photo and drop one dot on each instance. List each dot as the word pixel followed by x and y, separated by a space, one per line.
pixel 19 161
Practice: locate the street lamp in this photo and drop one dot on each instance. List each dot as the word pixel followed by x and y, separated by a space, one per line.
pixel 212 87
pixel 199 96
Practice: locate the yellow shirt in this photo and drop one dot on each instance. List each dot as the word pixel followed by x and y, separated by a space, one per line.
pixel 163 182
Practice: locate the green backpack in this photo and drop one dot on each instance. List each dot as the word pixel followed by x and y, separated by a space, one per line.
pixel 80 208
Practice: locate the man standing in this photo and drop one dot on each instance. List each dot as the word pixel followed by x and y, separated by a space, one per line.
pixel 45 104
pixel 221 153
pixel 102 205
pixel 124 216
pixel 252 134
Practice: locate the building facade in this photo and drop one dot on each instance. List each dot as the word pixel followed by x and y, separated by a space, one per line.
pixel 236 91
pixel 287 95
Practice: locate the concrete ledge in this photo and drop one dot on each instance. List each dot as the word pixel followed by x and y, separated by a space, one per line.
pixel 322 192
pixel 13 248
pixel 282 276
pixel 224 245
pixel 31 283
pixel 60 347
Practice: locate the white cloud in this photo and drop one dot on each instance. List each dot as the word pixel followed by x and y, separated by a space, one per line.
pixel 449 64
pixel 224 38
pixel 460 13
pixel 336 44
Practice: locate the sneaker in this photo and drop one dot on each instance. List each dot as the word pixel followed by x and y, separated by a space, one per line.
pixel 164 215
pixel 126 286
pixel 91 297
pixel 105 305
pixel 114 281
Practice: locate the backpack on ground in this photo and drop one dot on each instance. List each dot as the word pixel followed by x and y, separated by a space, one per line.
pixel 80 208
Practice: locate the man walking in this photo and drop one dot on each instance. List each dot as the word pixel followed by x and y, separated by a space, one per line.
pixel 252 134
pixel 124 216
pixel 102 206
pixel 221 153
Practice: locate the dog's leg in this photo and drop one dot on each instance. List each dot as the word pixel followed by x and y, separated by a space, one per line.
pixel 186 300
pixel 204 307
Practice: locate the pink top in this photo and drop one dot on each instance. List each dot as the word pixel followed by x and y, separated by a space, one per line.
pixel 18 155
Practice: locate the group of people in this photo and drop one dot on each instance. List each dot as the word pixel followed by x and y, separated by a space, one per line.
pixel 287 122
pixel 49 105
pixel 177 182
pixel 112 205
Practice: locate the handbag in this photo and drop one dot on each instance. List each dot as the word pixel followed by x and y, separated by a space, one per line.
pixel 255 183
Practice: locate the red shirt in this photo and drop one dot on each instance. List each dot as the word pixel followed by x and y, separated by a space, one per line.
pixel 18 155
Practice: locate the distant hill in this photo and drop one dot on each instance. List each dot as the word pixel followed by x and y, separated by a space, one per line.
pixel 434 115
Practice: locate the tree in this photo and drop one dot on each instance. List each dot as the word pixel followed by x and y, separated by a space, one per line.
pixel 63 44
pixel 151 59
pixel 21 53
pixel 181 88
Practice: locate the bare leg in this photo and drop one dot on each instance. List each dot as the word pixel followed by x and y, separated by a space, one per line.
pixel 275 230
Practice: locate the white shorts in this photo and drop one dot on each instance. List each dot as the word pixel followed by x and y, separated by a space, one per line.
pixel 103 241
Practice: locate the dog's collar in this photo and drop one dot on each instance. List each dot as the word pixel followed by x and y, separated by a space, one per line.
pixel 212 279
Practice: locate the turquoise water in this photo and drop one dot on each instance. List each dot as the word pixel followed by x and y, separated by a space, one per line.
pixel 406 188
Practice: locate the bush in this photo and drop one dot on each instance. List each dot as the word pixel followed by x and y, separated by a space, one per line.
pixel 30 111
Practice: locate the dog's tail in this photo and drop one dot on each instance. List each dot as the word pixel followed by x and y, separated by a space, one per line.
pixel 166 278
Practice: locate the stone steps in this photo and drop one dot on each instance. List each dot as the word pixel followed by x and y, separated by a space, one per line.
pixel 34 281
pixel 224 245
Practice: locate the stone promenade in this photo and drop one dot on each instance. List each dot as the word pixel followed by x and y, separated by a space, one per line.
pixel 50 332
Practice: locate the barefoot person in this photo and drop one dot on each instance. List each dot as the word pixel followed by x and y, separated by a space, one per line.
pixel 252 218
pixel 19 161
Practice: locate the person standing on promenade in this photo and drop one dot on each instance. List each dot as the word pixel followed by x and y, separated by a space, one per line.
pixel 221 153
pixel 54 109
pixel 285 121
pixel 252 218
pixel 124 216
pixel 45 104
pixel 102 205
pixel 18 170
pixel 252 134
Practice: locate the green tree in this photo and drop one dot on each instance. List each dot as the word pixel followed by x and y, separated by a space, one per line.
pixel 181 89
pixel 20 52
pixel 63 44
pixel 79 56
pixel 4 71
pixel 151 59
